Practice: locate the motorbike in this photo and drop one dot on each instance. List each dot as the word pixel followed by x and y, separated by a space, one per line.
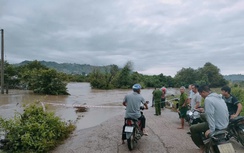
pixel 236 129
pixel 133 131
pixel 218 143
pixel 193 117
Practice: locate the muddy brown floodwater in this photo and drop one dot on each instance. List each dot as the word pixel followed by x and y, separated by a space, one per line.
pixel 101 103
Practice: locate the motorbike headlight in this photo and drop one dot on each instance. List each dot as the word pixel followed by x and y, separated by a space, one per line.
pixel 189 113
pixel 196 113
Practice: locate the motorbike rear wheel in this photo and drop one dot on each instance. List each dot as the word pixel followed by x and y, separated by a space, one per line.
pixel 240 136
pixel 131 141
pixel 210 150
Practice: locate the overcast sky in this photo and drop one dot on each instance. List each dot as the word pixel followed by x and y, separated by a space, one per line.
pixel 158 36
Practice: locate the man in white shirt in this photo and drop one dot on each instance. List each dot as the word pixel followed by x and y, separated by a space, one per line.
pixel 196 98
pixel 189 94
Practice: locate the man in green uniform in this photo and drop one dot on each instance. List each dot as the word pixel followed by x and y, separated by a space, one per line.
pixel 157 99
pixel 182 106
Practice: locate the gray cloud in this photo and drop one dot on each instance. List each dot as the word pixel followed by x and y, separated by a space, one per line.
pixel 160 36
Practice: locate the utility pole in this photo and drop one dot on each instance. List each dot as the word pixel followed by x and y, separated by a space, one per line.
pixel 2 64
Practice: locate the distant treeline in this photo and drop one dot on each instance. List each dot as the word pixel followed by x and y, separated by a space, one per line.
pixel 41 79
pixel 234 77
pixel 126 77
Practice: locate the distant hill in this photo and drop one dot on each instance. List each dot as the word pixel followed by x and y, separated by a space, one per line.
pixel 84 69
pixel 70 68
pixel 234 77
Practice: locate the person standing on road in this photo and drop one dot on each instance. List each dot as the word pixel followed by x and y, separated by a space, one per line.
pixel 216 114
pixel 153 102
pixel 196 98
pixel 157 94
pixel 133 102
pixel 233 105
pixel 190 94
pixel 163 97
pixel 182 106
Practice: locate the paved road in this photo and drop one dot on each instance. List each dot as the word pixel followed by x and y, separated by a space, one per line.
pixel 164 137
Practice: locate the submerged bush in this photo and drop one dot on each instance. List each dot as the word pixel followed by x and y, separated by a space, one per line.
pixel 35 130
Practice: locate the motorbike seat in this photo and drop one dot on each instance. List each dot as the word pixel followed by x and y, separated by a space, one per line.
pixel 237 119
pixel 133 119
pixel 219 132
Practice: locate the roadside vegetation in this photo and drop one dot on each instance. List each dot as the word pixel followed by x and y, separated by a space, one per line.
pixel 35 131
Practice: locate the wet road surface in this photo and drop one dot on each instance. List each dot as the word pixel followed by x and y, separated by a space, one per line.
pixel 164 137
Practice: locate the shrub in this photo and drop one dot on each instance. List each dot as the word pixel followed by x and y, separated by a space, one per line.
pixel 35 130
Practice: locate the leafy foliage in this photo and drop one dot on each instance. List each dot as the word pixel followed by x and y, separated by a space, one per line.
pixel 239 93
pixel 42 80
pixel 124 78
pixel 186 76
pixel 47 82
pixel 35 131
pixel 10 75
pixel 209 74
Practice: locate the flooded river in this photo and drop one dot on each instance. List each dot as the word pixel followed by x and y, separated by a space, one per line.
pixel 102 103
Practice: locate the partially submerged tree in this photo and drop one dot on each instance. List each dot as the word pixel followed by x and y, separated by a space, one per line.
pixel 42 80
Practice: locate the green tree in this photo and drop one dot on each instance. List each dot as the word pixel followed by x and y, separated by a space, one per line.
pixel 185 76
pixel 41 79
pixel 48 82
pixel 124 78
pixel 97 79
pixel 110 76
pixel 211 73
pixel 104 80
pixel 11 79
pixel 136 78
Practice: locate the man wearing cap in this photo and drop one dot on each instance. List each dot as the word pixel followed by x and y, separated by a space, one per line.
pixel 133 102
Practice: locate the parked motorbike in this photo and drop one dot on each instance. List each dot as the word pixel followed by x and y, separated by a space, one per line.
pixel 218 143
pixel 236 129
pixel 133 131
pixel 193 117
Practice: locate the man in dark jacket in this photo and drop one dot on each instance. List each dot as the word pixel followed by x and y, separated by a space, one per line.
pixel 233 105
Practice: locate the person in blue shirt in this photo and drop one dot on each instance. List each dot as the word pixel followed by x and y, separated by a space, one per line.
pixel 133 102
